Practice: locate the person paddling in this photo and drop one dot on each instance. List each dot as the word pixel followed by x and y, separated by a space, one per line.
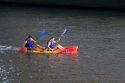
pixel 52 44
pixel 29 42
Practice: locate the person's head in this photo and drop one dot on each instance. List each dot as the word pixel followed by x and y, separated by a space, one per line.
pixel 52 38
pixel 29 36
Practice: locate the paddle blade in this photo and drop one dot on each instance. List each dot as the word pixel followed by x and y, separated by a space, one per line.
pixel 41 34
pixel 64 32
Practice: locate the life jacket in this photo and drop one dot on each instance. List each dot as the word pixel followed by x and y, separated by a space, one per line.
pixel 52 45
pixel 29 44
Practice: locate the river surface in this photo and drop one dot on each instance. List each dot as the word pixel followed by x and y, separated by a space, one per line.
pixel 99 33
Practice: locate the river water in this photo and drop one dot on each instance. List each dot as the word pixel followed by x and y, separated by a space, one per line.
pixel 99 33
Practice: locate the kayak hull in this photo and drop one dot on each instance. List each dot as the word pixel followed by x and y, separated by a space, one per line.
pixel 38 49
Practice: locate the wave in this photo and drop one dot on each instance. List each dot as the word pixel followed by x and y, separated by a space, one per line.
pixel 4 48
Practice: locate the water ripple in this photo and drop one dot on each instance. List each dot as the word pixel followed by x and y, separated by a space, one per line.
pixel 5 49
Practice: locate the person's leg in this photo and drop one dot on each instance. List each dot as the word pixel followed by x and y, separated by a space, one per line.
pixel 47 49
pixel 59 46
pixel 38 48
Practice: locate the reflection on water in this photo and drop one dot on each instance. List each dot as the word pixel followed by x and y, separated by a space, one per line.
pixel 31 67
pixel 49 67
pixel 54 59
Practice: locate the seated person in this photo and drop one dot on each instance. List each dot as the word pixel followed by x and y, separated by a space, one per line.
pixel 52 44
pixel 29 42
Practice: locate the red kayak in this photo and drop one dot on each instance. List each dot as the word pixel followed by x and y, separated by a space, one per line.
pixel 39 49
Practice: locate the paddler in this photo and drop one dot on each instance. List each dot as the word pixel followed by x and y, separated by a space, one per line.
pixel 29 42
pixel 52 44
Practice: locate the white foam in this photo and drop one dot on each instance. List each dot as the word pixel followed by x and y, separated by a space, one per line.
pixel 4 48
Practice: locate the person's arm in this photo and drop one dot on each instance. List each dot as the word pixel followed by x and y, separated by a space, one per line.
pixel 33 40
pixel 48 44
pixel 55 41
pixel 24 43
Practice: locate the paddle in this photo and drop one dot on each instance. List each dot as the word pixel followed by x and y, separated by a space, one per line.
pixel 62 34
pixel 40 34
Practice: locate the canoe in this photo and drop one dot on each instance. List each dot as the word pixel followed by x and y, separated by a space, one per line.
pixel 38 49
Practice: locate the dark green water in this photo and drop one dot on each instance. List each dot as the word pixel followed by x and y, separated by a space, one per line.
pixel 77 3
pixel 100 35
